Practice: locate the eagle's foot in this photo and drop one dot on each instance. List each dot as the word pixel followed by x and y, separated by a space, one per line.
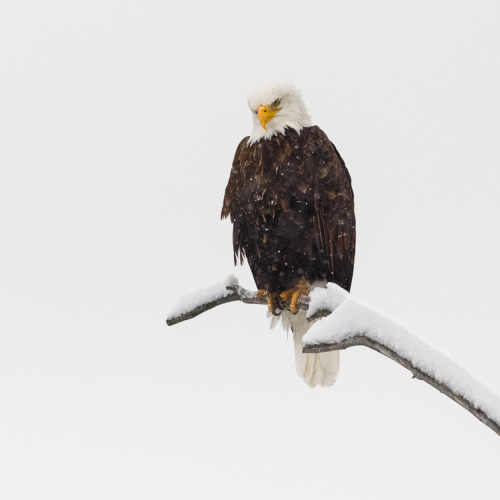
pixel 262 295
pixel 272 303
pixel 293 295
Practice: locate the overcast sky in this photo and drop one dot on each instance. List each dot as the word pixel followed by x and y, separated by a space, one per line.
pixel 118 124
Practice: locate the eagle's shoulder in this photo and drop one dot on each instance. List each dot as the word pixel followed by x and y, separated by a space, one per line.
pixel 242 158
pixel 241 150
pixel 316 140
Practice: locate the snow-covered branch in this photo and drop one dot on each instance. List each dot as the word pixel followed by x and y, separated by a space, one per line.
pixel 353 323
pixel 349 322
pixel 194 303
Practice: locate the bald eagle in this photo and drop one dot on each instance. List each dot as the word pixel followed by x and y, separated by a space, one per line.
pixel 291 203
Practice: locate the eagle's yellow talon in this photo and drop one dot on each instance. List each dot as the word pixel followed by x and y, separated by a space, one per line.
pixel 271 303
pixel 287 295
pixel 294 309
pixel 293 295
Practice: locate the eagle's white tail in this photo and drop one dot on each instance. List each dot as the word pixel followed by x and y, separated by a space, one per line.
pixel 315 369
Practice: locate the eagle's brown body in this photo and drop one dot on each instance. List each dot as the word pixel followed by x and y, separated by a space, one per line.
pixel 292 208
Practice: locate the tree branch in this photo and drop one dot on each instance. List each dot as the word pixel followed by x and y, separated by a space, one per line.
pixel 488 413
pixel 238 294
pixel 362 340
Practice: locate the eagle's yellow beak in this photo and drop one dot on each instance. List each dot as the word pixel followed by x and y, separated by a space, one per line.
pixel 265 114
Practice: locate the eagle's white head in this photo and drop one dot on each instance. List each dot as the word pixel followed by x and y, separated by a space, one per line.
pixel 275 107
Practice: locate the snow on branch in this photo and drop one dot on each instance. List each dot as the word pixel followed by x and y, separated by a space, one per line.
pixel 349 322
pixel 194 303
pixel 354 323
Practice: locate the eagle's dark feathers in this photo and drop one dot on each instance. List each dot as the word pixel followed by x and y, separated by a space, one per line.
pixel 292 207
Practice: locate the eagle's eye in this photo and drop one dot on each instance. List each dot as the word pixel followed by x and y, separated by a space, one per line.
pixel 276 102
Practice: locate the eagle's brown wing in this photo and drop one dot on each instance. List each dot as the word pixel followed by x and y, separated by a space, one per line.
pixel 232 199
pixel 334 221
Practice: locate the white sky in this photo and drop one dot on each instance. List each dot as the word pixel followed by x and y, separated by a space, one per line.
pixel 118 124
